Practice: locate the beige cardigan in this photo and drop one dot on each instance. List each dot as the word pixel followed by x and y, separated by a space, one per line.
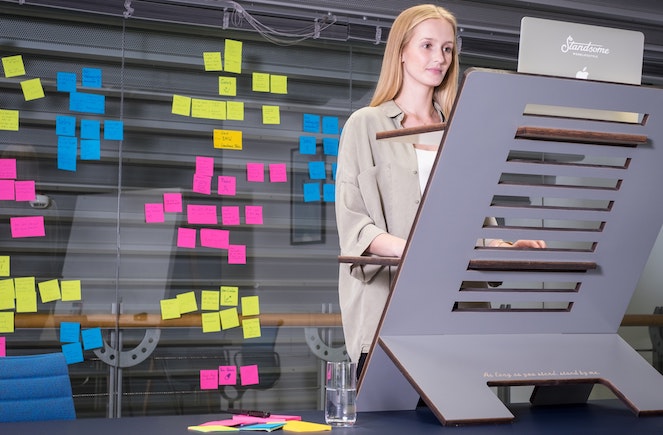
pixel 377 191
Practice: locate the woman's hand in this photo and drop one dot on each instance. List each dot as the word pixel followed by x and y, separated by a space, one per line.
pixel 523 244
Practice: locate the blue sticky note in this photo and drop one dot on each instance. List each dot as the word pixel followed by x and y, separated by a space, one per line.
pixel 316 170
pixel 90 129
pixel 90 149
pixel 329 192
pixel 311 192
pixel 307 145
pixel 88 103
pixel 66 81
pixel 330 125
pixel 311 123
pixel 91 77
pixel 70 332
pixel 67 149
pixel 73 352
pixel 113 130
pixel 65 125
pixel 92 339
pixel 333 170
pixel 330 146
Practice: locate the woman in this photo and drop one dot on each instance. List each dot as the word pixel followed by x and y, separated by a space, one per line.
pixel 379 184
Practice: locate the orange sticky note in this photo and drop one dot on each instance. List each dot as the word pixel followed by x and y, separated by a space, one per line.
pixel 228 139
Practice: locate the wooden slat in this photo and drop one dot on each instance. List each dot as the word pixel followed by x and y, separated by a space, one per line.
pixel 547 266
pixel 364 259
pixel 591 137
pixel 381 135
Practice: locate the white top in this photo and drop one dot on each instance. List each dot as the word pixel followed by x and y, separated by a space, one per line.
pixel 425 160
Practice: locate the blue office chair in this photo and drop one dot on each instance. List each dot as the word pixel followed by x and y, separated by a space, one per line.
pixel 35 387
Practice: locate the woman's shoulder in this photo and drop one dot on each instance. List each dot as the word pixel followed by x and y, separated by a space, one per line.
pixel 385 111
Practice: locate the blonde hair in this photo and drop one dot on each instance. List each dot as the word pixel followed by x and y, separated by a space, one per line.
pixel 391 74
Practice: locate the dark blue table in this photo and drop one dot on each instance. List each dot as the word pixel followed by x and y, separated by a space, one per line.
pixel 598 417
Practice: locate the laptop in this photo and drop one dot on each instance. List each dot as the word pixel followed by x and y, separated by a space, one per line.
pixel 563 49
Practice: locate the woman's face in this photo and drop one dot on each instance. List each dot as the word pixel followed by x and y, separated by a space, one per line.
pixel 428 55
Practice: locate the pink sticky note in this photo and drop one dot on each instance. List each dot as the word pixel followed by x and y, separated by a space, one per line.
pixel 230 215
pixel 249 375
pixel 3 346
pixel 172 202
pixel 30 226
pixel 186 237
pixel 209 379
pixel 202 184
pixel 277 173
pixel 237 254
pixel 227 375
pixel 7 190
pixel 253 214
pixel 255 172
pixel 201 214
pixel 25 190
pixel 227 185
pixel 8 169
pixel 154 213
pixel 205 166
pixel 212 238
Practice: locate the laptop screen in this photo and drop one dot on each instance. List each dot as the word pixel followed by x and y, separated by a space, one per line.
pixel 582 51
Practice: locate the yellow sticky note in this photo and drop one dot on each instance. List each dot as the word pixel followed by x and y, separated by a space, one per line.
pixel 211 322
pixel 9 120
pixel 271 115
pixel 208 109
pixel 170 309
pixel 305 426
pixel 7 295
pixel 228 86
pixel 49 291
pixel 229 296
pixel 228 139
pixel 235 111
pixel 181 105
pixel 32 89
pixel 278 84
pixel 233 52
pixel 213 428
pixel 229 318
pixel 251 327
pixel 4 265
pixel 71 290
pixel 260 82
pixel 250 306
pixel 209 300
pixel 13 66
pixel 26 295
pixel 6 322
pixel 212 60
pixel 188 303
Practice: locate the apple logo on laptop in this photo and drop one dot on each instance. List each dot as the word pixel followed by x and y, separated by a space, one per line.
pixel 583 74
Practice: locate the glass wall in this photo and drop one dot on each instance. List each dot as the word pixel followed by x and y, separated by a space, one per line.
pixel 167 208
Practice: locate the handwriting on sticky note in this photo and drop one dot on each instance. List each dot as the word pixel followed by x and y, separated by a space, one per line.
pixel 154 213
pixel 66 81
pixel 211 322
pixel 29 226
pixel 8 120
pixel 172 202
pixel 208 109
pixel 228 139
pixel 260 82
pixel 209 300
pixel 181 105
pixel 271 115
pixel 255 172
pixel 25 190
pixel 213 238
pixel 235 111
pixel 5 265
pixel 71 290
pixel 187 301
pixel 227 375
pixel 201 214
pixel 278 173
pixel 8 169
pixel 229 318
pixel 13 66
pixel 212 61
pixel 91 77
pixel 7 190
pixel 229 295
pixel 204 165
pixel 237 254
pixel 249 375
pixel 250 306
pixel 202 184
pixel 233 53
pixel 227 185
pixel 253 214
pixel 278 84
pixel 32 89
pixel 209 379
pixel 251 327
pixel 6 322
pixel 230 215
pixel 170 309
pixel 228 86
pixel 49 291
pixel 7 294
